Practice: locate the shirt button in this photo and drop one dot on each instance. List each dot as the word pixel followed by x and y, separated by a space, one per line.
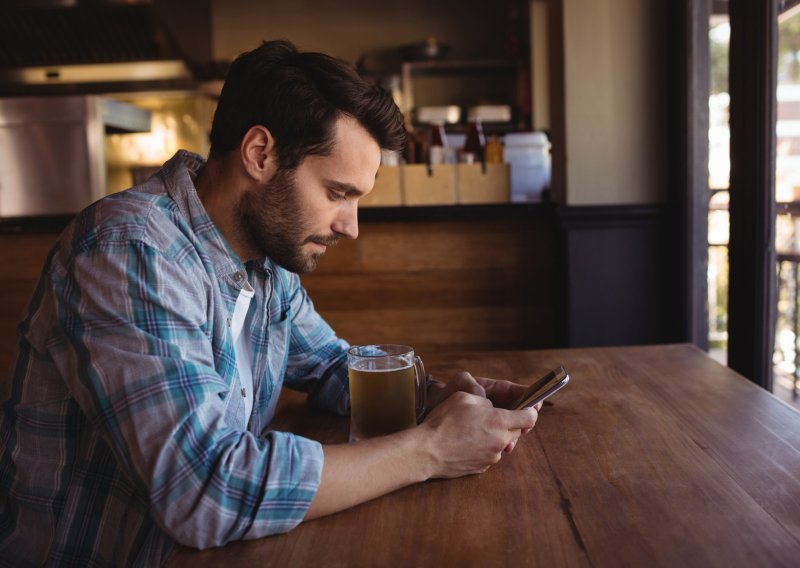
pixel 238 276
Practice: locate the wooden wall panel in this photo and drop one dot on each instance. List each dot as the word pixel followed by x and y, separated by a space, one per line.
pixel 461 284
pixel 436 285
pixel 21 260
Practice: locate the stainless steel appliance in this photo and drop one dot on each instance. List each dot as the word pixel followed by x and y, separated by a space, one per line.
pixel 52 158
pixel 104 46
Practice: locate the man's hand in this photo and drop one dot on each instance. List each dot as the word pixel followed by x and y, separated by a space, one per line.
pixel 462 382
pixel 502 394
pixel 463 434
pixel 466 434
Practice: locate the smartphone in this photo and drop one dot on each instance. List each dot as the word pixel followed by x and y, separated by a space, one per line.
pixel 551 383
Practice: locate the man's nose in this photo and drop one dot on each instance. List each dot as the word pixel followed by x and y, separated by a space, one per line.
pixel 347 222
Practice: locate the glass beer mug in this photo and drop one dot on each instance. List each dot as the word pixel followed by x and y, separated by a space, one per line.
pixel 387 389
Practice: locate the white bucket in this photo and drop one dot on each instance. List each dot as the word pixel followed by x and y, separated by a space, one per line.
pixel 528 153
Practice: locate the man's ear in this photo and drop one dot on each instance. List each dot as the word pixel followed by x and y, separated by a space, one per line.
pixel 258 153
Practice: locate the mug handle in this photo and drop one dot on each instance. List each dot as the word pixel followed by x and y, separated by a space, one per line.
pixel 422 387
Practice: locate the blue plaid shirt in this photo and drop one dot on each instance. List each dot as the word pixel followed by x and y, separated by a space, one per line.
pixel 123 431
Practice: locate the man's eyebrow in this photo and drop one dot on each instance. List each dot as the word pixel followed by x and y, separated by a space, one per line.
pixel 344 187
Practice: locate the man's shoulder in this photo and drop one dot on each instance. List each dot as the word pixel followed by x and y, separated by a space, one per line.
pixel 139 214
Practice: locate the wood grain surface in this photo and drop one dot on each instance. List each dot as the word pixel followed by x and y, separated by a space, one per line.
pixel 21 260
pixel 652 456
pixel 457 284
pixel 442 285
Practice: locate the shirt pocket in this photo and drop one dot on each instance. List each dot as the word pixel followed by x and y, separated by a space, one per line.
pixel 280 309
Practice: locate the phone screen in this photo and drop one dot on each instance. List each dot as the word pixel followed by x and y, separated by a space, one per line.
pixel 552 382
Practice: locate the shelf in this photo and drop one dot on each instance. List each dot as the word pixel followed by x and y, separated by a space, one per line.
pixel 544 210
pixel 460 67
pixel 34 224
pixel 488 127
pixel 458 212
pixel 468 69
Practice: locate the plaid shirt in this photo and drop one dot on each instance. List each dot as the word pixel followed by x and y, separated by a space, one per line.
pixel 123 431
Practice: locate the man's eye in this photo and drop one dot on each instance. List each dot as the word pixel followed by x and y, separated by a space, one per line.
pixel 336 196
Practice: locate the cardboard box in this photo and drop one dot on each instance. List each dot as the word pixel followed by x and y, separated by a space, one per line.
pixel 483 183
pixel 429 185
pixel 387 191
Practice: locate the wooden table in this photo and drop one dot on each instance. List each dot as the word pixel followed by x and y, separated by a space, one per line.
pixel 652 456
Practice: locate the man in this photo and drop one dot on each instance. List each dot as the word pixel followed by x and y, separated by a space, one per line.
pixel 167 319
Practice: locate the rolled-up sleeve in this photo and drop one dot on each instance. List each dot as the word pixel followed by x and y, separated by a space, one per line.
pixel 136 352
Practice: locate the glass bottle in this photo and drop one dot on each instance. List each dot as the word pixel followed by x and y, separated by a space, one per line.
pixel 438 143
pixel 473 144
pixel 494 150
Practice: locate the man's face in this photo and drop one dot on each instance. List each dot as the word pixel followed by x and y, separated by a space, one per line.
pixel 298 213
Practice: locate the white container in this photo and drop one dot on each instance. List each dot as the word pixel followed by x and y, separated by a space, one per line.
pixel 528 153
pixel 489 113
pixel 449 114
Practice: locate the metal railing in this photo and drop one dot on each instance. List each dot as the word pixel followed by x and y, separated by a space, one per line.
pixel 786 357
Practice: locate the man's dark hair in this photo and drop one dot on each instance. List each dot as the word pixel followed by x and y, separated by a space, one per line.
pixel 299 96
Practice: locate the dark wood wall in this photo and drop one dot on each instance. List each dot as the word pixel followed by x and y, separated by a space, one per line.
pixel 434 278
pixel 21 260
pixel 468 277
pixel 482 282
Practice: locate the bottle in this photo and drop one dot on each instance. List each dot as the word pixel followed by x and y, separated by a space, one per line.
pixel 416 147
pixel 473 144
pixel 438 144
pixel 494 150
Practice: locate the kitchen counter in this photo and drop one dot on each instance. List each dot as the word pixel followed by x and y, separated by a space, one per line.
pixel 56 223
pixel 41 224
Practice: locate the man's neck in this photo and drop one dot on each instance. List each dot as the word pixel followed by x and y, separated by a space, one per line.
pixel 219 191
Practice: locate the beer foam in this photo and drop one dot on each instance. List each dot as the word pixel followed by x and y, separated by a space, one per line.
pixel 371 366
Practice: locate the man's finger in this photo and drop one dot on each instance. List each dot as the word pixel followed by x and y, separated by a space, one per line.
pixel 502 393
pixel 519 419
pixel 466 382
pixel 511 445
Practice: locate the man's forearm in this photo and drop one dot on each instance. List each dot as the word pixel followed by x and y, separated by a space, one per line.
pixel 463 435
pixel 355 473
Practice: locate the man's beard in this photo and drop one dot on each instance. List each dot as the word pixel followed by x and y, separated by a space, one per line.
pixel 271 220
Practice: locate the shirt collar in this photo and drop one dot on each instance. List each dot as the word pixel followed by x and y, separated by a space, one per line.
pixel 179 174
